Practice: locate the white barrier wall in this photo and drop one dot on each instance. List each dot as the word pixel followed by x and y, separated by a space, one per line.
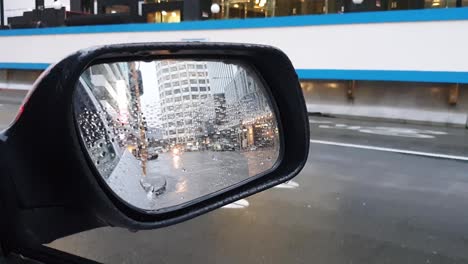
pixel 412 46
pixel 416 46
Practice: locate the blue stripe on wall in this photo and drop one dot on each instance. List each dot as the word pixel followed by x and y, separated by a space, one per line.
pixel 442 14
pixel 330 74
pixel 23 66
pixel 384 75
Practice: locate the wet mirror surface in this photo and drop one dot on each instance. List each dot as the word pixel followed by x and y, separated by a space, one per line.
pixel 166 132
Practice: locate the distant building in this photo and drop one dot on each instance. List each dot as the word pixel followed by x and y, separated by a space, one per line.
pixel 186 100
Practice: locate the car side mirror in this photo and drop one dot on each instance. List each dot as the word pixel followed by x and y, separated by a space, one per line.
pixel 142 136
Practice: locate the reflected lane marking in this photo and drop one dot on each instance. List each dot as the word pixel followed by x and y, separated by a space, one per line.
pixel 401 151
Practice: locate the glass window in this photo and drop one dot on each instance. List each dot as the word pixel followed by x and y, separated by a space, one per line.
pixel 184 82
pixel 193 74
pixel 176 91
pixel 202 74
pixel 174 76
pixel 194 96
pixel 167 85
pixel 183 74
pixel 185 90
pixel 203 96
pixel 180 130
pixel 191 66
pixel 194 89
pixel 193 81
pixel 199 66
pixel 173 69
pixel 176 84
pixel 186 97
pixel 164 16
pixel 180 123
pixel 169 100
pixel 202 89
pixel 165 70
pixel 202 81
pixel 182 67
pixel 178 99
pixel 168 92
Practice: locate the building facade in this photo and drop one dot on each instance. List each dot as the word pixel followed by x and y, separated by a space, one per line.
pixel 186 101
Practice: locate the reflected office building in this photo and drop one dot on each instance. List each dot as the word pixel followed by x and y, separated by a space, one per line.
pixel 206 103
pixel 186 101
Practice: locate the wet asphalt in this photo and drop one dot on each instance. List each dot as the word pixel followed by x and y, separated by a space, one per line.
pixel 348 205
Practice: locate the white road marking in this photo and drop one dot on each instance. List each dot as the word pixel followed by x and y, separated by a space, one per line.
pixel 242 203
pixel 312 121
pixel 402 151
pixel 288 185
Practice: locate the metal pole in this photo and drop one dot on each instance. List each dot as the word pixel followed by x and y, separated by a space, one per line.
pixel 142 146
pixel 2 13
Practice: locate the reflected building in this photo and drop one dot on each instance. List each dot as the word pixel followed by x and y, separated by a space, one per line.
pixel 110 84
pixel 244 99
pixel 186 102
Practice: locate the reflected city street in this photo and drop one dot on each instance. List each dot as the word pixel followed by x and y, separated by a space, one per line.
pixel 194 174
pixel 166 132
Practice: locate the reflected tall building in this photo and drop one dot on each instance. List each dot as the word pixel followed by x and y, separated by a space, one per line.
pixel 186 102
pixel 111 81
pixel 243 98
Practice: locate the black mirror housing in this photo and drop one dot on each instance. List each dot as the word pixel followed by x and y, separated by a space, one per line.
pixel 51 189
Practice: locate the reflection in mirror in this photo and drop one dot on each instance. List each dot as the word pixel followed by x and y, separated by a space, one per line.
pixel 166 132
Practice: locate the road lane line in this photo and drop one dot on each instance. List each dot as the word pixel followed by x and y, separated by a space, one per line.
pixel 402 151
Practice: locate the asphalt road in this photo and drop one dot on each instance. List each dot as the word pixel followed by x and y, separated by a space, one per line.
pixel 350 204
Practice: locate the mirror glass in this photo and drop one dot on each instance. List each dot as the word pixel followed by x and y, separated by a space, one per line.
pixel 166 132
